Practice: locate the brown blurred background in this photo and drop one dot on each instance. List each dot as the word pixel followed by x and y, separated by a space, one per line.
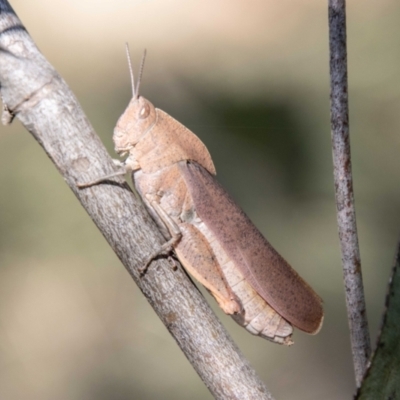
pixel 251 79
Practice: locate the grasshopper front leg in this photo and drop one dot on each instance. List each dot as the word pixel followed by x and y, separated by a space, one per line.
pixel 122 171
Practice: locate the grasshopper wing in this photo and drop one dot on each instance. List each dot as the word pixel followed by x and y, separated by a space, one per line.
pixel 266 271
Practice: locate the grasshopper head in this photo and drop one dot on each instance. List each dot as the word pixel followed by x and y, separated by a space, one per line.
pixel 137 119
pixel 134 123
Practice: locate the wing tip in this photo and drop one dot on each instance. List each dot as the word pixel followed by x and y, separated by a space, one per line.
pixel 318 328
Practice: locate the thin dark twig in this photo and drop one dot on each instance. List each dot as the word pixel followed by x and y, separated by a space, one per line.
pixel 34 93
pixel 346 217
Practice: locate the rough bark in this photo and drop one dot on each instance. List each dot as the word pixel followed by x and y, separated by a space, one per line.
pixel 33 92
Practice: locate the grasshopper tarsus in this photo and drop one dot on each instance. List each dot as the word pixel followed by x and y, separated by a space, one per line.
pixel 165 249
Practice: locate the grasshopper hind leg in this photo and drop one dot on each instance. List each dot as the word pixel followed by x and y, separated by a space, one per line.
pixel 197 257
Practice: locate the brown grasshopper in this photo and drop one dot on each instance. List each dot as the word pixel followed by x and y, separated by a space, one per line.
pixel 213 238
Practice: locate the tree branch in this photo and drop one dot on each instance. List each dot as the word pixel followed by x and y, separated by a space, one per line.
pixel 346 217
pixel 34 92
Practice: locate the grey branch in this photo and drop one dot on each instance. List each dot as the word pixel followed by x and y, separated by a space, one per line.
pixel 33 92
pixel 346 217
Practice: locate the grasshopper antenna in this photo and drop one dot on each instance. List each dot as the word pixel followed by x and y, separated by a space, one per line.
pixel 128 55
pixel 135 91
pixel 140 74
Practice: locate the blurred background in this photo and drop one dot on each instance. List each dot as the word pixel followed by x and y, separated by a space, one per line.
pixel 251 80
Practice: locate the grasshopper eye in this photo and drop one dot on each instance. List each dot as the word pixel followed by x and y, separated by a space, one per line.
pixel 144 111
